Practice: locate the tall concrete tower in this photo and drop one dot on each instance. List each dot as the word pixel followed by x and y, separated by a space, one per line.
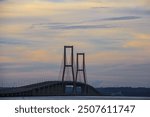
pixel 70 64
pixel 80 60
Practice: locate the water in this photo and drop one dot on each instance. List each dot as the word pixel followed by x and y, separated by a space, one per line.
pixel 75 98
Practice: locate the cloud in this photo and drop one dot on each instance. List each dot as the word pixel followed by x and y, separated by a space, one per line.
pixel 41 8
pixel 27 55
pixel 39 56
pixel 6 59
pixel 107 57
pixel 15 28
pixel 72 26
pixel 140 40
pixel 113 57
pixel 138 10
pixel 80 27
pixel 123 18
pixel 7 41
pixel 8 66
pixel 18 42
pixel 142 36
pixel 107 19
pixel 127 3
pixel 138 44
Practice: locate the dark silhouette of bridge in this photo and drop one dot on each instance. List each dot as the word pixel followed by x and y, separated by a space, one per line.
pixel 50 88
pixel 59 88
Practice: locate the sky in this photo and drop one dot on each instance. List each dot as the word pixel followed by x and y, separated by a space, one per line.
pixel 114 34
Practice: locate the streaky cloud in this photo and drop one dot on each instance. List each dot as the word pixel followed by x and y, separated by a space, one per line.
pixel 7 41
pixel 26 67
pixel 123 18
pixel 65 26
pixel 85 27
pixel 113 19
pixel 139 11
pixel 100 7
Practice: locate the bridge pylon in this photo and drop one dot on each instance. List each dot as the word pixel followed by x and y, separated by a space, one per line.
pixel 69 64
pixel 80 61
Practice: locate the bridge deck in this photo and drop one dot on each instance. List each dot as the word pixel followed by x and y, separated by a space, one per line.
pixel 47 88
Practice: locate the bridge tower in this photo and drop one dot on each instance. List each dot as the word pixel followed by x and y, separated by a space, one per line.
pixel 80 61
pixel 66 64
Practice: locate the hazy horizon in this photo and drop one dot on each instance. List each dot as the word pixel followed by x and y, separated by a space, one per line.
pixel 115 37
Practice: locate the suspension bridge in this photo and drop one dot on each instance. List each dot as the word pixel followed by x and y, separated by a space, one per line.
pixel 69 85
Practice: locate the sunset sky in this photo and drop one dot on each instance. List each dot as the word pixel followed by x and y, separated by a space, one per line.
pixel 114 34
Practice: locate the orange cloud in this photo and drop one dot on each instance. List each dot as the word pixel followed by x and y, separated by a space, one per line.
pixel 142 36
pixel 26 55
pixel 5 59
pixel 11 29
pixel 138 44
pixel 106 57
pixel 140 40
pixel 37 55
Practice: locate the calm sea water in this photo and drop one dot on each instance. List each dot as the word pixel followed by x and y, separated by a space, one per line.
pixel 75 98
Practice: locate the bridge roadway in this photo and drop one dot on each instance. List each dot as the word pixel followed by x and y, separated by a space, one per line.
pixel 50 88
